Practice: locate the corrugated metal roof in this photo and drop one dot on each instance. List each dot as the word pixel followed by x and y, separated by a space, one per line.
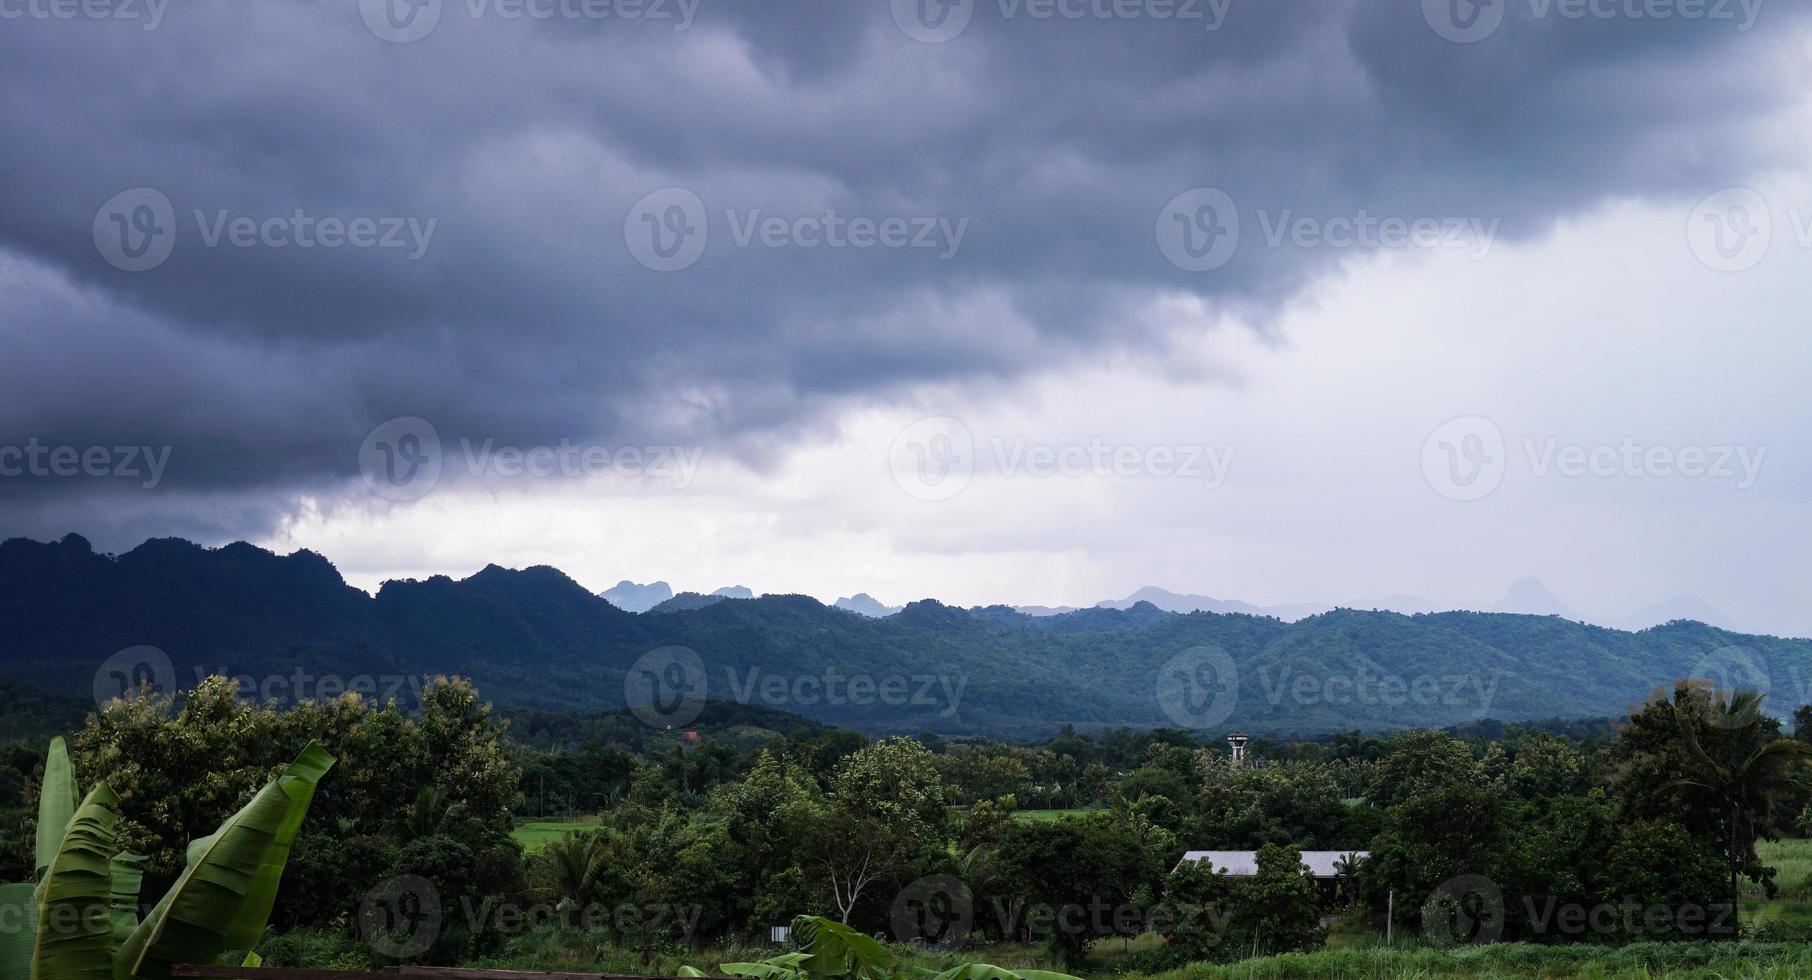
pixel 1245 863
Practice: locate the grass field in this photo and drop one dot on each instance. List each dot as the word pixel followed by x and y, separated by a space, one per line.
pixel 1792 862
pixel 556 951
pixel 535 835
pixel 1045 816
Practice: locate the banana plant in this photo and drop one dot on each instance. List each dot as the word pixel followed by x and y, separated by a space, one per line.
pixel 80 921
pixel 830 949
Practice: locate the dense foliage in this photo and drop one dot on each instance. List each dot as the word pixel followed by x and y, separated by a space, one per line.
pixel 741 822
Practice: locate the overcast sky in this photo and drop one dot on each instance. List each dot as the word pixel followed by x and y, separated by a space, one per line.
pixel 1013 300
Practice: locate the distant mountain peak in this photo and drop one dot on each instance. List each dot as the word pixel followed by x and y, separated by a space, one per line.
pixel 1682 606
pixel 632 597
pixel 866 605
pixel 1174 602
pixel 735 592
pixel 1529 597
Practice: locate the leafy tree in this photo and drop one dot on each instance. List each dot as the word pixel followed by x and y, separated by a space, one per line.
pixel 1075 880
pixel 1732 761
pixel 1545 765
pixel 1661 866
pixel 445 772
pixel 1420 762
pixel 1277 910
pixel 1437 834
pixel 1281 804
pixel 885 818
pixel 1717 766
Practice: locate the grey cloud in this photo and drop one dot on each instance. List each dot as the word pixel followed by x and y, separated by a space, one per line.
pixel 528 320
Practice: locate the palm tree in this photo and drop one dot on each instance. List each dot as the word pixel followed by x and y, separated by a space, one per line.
pixel 573 864
pixel 1738 767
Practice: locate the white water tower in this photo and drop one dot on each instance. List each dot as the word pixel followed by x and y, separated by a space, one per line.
pixel 1237 741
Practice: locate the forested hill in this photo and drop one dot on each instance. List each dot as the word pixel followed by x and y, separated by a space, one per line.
pixel 536 639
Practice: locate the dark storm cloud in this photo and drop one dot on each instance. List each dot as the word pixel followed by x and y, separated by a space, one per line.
pixel 520 146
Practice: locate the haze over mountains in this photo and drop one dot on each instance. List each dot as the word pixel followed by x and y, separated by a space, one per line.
pixel 535 638
pixel 1526 596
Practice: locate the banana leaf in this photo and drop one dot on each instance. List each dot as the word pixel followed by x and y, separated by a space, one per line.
pixel 57 800
pixel 75 898
pixel 18 930
pixel 758 971
pixel 838 950
pixel 128 877
pixel 224 896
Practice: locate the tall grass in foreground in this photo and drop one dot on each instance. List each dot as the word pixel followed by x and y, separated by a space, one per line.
pixel 551 950
pixel 1649 961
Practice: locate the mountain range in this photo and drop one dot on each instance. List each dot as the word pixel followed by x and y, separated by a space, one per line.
pixel 534 638
pixel 1526 596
